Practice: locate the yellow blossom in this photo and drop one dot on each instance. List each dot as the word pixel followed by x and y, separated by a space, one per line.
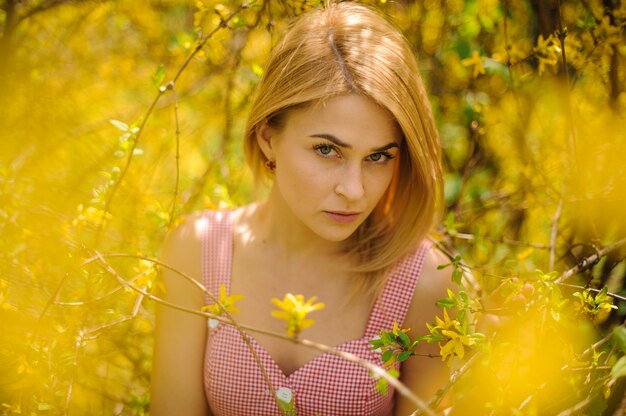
pixel 476 61
pixel 455 337
pixel 294 312
pixel 547 52
pixel 226 303
pixel 397 329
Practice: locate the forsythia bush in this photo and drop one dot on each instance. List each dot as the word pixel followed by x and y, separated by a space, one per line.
pixel 118 117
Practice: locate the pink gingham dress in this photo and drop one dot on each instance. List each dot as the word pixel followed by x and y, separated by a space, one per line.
pixel 327 385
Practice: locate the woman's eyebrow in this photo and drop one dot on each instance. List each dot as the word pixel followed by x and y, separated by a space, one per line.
pixel 333 139
pixel 387 147
pixel 340 143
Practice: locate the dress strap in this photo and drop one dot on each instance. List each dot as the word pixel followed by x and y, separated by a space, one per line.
pixel 217 236
pixel 394 301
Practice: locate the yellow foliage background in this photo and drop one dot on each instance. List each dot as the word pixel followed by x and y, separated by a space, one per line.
pixel 529 98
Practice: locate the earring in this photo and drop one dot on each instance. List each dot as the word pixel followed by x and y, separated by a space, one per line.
pixel 270 165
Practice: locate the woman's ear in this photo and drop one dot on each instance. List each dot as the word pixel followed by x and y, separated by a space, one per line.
pixel 264 136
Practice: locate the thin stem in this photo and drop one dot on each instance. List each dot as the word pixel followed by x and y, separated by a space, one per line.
pixel 161 92
pixel 441 393
pixel 504 240
pixel 553 235
pixel 613 295
pixel 173 210
pixel 562 34
pixel 588 262
pixel 507 48
pixel 575 410
pixel 118 182
pixel 99 259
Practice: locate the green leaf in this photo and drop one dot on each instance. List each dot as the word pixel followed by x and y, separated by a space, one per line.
pixel 446 303
pixel 381 386
pixel 464 297
pixel 386 356
pixel 619 369
pixel 404 338
pixel 120 125
pixel 462 315
pixel 44 406
pixel 457 275
pixel 403 356
pixel 619 335
pixel 159 75
pixel 376 343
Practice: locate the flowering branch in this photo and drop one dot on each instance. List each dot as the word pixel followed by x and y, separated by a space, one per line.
pixel 374 369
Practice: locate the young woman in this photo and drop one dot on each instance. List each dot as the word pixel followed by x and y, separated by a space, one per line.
pixel 342 128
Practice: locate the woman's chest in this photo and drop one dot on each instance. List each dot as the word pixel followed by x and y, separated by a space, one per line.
pixel 343 317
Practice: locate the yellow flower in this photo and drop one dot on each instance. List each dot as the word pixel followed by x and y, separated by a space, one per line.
pixel 547 52
pixel 396 329
pixel 455 345
pixel 476 61
pixel 455 337
pixel 226 303
pixel 294 312
pixel 447 322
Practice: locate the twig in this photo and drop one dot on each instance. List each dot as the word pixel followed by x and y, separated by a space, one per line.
pixel 596 368
pixel 441 393
pixel 173 210
pixel 613 295
pixel 99 328
pixel 553 235
pixel 161 92
pixel 507 48
pixel 99 298
pixel 504 240
pixel 588 262
pixel 562 34
pixel 229 319
pixel 530 398
pixel 575 409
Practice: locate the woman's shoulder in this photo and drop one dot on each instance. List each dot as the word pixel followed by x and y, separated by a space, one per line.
pixel 188 229
pixel 433 284
pixel 181 254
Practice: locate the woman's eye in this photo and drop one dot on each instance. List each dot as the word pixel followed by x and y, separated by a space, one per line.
pixel 324 149
pixel 380 157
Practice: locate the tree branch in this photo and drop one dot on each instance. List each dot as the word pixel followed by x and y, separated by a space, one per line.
pixel 161 91
pixel 588 262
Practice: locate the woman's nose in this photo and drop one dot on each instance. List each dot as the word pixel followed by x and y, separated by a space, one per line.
pixel 350 183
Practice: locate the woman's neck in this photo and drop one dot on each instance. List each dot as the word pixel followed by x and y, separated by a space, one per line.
pixel 273 223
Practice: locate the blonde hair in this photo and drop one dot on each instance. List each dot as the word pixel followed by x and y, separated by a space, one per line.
pixel 348 48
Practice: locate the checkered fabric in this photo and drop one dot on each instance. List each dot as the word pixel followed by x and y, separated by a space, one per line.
pixel 327 385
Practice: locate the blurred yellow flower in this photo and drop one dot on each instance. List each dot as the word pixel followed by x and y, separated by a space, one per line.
pixel 225 304
pixel 547 52
pixel 294 312
pixel 476 61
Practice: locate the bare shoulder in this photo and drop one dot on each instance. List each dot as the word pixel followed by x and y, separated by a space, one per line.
pixel 182 254
pixel 432 285
pixel 177 386
pixel 186 234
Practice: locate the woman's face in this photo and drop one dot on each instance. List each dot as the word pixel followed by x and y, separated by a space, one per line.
pixel 334 162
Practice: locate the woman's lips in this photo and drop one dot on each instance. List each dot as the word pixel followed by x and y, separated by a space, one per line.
pixel 342 217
